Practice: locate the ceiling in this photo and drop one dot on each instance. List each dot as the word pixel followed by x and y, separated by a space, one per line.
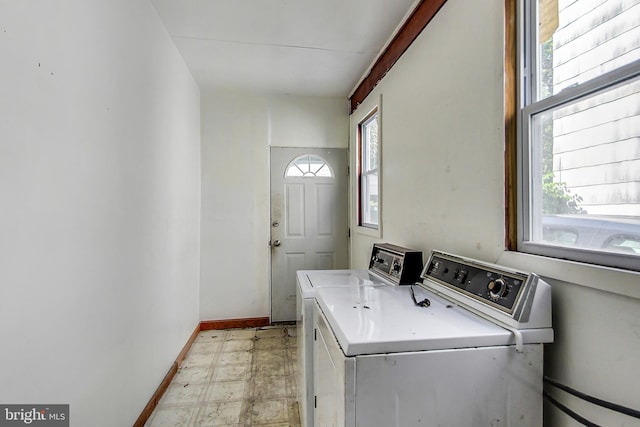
pixel 298 47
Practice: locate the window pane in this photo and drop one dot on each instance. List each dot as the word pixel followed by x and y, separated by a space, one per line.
pixel 580 40
pixel 585 189
pixel 370 199
pixel 370 143
pixel 308 166
pixel 293 171
pixel 324 171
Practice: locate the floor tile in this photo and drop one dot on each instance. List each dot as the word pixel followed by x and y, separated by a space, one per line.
pixel 206 347
pixel 219 414
pixel 269 411
pixel 170 417
pixel 270 333
pixel 232 373
pixel 211 336
pixel 182 394
pixel 270 356
pixel 226 390
pixel 235 358
pixel 237 345
pixel 270 387
pixel 197 359
pixel 192 375
pixel 269 343
pixel 268 369
pixel 241 334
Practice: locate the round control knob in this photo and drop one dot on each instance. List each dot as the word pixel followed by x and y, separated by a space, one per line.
pixel 497 288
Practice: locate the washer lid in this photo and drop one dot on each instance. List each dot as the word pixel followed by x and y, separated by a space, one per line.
pixel 310 280
pixel 384 319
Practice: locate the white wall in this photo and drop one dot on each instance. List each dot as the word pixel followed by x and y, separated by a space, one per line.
pixel 237 130
pixel 443 187
pixel 99 206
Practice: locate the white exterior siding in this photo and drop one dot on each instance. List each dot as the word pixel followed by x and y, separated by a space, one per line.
pixel 597 141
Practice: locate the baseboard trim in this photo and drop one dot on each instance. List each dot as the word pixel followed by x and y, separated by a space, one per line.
pixel 153 402
pixel 253 322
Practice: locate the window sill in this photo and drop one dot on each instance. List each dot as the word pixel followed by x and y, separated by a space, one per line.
pixel 606 279
pixel 371 232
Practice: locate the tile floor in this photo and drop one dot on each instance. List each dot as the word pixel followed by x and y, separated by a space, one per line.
pixel 235 377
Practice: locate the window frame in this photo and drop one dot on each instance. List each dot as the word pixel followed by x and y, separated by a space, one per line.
pixel 527 107
pixel 363 174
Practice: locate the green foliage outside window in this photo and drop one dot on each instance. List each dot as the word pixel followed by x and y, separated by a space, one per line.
pixel 556 197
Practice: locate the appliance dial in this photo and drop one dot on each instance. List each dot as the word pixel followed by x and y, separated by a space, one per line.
pixel 497 288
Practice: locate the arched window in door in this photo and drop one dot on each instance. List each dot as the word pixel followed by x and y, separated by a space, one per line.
pixel 308 166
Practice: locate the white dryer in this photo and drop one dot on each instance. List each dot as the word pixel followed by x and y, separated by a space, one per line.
pixel 389 265
pixel 463 348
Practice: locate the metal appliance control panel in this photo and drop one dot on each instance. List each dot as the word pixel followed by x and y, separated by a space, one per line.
pixel 500 288
pixel 401 266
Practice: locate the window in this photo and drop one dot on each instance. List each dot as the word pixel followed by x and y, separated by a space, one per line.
pixel 308 166
pixel 368 176
pixel 579 124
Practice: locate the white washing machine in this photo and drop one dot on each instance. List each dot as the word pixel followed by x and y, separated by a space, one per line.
pixel 389 265
pixel 463 348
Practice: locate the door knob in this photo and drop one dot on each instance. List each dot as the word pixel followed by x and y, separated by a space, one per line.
pixel 277 243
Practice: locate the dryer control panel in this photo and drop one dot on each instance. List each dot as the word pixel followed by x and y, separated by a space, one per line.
pixel 401 266
pixel 496 287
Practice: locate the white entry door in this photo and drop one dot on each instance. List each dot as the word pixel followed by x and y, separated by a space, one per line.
pixel 309 228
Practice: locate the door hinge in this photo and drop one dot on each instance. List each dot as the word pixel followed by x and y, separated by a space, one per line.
pixel 315 401
pixel 315 334
pixel 349 232
pixel 348 170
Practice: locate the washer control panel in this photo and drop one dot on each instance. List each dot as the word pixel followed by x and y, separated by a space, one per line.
pixel 401 266
pixel 487 283
pixel 387 263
